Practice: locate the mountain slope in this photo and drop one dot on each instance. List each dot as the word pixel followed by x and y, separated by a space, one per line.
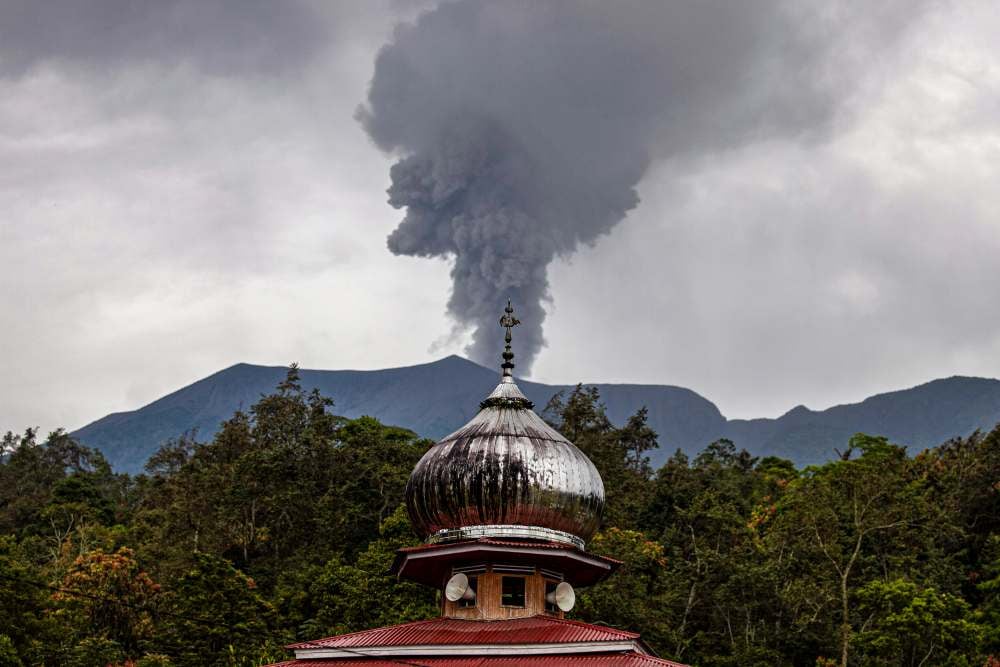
pixel 436 398
pixel 432 399
pixel 919 417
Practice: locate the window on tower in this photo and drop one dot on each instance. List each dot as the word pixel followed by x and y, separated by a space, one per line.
pixel 512 592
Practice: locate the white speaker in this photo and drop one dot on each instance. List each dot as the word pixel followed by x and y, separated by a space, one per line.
pixel 458 588
pixel 563 596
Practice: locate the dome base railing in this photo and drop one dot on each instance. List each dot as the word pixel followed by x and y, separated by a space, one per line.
pixel 505 531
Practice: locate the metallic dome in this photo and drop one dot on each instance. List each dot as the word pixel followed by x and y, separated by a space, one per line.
pixel 506 474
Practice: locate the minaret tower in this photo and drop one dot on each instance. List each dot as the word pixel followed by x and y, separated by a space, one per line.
pixel 505 506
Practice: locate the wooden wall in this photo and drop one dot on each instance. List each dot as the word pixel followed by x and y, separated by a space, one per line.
pixel 488 605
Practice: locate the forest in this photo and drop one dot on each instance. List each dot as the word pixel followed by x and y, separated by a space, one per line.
pixel 283 526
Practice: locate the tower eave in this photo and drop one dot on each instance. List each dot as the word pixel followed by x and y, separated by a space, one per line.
pixel 431 564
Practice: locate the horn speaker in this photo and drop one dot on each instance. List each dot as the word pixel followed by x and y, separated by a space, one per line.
pixel 563 596
pixel 458 588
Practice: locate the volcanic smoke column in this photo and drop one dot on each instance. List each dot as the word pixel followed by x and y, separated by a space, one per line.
pixel 478 196
pixel 523 128
pixel 512 152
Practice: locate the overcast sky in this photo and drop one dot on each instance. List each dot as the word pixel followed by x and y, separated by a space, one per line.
pixel 184 186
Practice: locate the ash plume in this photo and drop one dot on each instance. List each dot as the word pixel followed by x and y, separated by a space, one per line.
pixel 523 128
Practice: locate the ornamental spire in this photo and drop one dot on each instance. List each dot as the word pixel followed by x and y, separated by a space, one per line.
pixel 508 321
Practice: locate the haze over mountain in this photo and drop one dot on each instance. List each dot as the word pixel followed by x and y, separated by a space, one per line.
pixel 434 399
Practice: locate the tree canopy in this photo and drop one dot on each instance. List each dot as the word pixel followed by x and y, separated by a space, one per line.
pixel 283 526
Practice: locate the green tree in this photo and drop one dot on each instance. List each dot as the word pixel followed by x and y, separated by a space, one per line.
pixel 833 512
pixel 348 596
pixel 712 516
pixel 989 590
pixel 638 596
pixel 37 478
pixel 961 480
pixel 214 615
pixel 285 485
pixel 8 655
pixel 21 599
pixel 913 626
pixel 370 466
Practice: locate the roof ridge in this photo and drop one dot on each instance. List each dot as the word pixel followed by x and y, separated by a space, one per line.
pixel 584 624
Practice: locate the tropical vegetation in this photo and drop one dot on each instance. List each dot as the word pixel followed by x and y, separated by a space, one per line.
pixel 283 527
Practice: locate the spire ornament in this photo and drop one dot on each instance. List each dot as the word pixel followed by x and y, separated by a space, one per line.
pixel 508 321
pixel 507 395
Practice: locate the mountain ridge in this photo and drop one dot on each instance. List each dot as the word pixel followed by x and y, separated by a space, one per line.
pixel 435 398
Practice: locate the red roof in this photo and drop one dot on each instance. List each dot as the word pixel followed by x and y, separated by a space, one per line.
pixel 455 631
pixel 613 660
pixel 453 642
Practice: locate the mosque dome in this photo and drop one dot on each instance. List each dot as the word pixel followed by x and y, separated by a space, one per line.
pixel 505 474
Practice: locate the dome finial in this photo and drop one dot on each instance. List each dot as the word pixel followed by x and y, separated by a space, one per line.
pixel 508 321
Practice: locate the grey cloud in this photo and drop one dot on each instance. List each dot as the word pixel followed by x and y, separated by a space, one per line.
pixel 818 221
pixel 220 37
pixel 523 128
pixel 157 188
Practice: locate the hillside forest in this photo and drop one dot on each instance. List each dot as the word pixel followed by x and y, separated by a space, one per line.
pixel 283 526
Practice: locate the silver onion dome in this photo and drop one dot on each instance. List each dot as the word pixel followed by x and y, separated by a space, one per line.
pixel 505 474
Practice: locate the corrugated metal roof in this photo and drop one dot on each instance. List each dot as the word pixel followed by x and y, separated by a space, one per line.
pixel 613 660
pixel 454 631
